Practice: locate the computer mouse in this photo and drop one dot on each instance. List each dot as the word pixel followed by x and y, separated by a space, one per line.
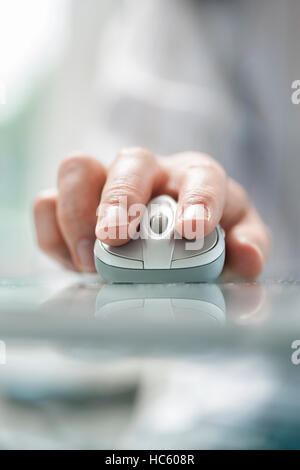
pixel 158 255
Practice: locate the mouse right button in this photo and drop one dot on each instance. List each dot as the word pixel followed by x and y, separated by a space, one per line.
pixel 180 251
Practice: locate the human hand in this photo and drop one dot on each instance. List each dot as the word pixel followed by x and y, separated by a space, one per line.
pixel 66 221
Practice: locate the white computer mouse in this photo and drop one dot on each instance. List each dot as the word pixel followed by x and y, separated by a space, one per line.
pixel 157 255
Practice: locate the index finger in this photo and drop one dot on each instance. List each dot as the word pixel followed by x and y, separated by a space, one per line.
pixel 130 181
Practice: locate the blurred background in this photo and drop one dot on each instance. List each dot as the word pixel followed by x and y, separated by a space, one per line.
pixel 168 75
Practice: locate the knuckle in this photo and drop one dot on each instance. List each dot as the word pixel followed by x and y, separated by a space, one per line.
pixel 197 160
pixel 207 197
pixel 129 187
pixel 210 196
pixel 78 163
pixel 137 153
pixel 70 163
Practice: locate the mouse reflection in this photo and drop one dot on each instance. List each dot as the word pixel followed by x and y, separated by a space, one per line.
pixel 206 304
pixel 161 303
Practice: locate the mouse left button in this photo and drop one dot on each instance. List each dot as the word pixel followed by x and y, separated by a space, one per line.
pixel 131 250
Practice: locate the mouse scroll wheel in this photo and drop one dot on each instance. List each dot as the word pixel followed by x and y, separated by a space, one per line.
pixel 159 223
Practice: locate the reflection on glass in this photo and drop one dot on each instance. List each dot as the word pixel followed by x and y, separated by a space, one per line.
pixel 159 303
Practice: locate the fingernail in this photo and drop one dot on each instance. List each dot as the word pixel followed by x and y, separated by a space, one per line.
pixel 111 215
pixel 191 221
pixel 109 218
pixel 195 212
pixel 85 253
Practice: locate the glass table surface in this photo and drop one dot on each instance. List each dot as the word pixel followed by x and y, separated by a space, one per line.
pixel 89 365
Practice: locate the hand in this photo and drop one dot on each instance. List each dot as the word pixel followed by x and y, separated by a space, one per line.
pixel 66 219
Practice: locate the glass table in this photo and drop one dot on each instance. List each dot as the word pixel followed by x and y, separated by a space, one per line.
pixel 89 365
